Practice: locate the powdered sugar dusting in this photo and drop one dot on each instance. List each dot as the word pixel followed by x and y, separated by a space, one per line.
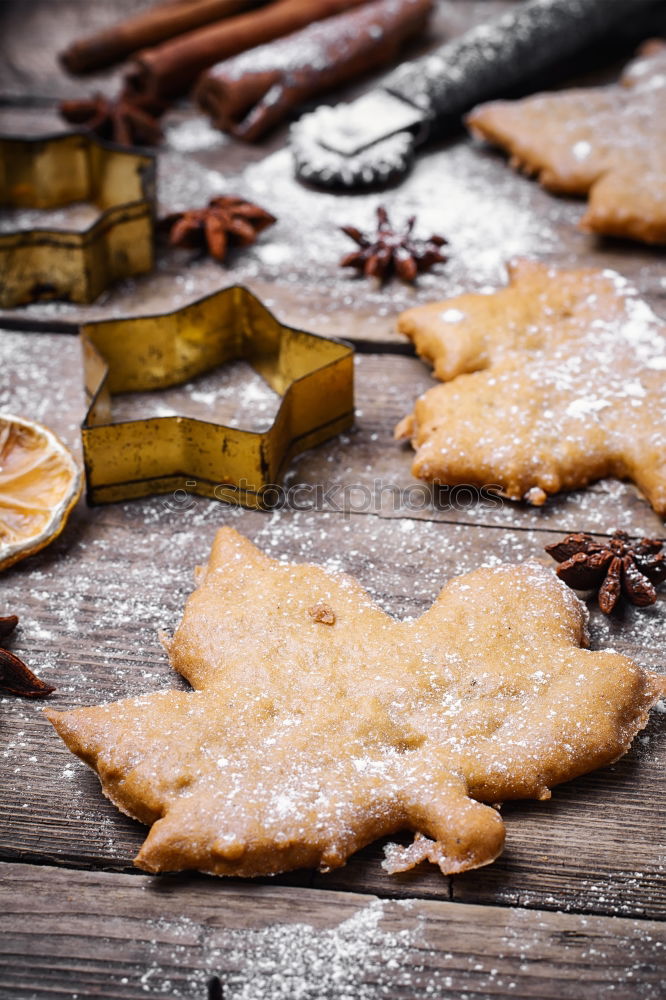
pixel 233 394
pixel 471 207
pixel 606 142
pixel 91 604
pixel 360 959
pixel 189 135
pixel 466 196
pixel 565 386
pixel 75 217
pixel 383 949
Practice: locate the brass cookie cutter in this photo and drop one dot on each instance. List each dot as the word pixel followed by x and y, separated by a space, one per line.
pixel 46 172
pixel 136 458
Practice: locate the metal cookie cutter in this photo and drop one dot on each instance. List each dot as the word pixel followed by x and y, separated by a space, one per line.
pixel 136 458
pixel 47 172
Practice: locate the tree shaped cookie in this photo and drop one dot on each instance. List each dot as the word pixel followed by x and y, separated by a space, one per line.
pixel 551 383
pixel 605 142
pixel 319 723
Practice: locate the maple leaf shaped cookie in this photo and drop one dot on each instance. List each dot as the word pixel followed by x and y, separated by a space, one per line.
pixel 319 723
pixel 608 142
pixel 551 383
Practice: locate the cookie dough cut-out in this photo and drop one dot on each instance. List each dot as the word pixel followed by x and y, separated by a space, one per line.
pixel 305 739
pixel 550 384
pixel 605 142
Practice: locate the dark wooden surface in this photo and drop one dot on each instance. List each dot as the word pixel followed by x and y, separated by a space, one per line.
pixel 575 906
pixel 130 936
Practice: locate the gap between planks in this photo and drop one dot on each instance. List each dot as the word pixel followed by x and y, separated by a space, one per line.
pixel 125 936
pixel 306 880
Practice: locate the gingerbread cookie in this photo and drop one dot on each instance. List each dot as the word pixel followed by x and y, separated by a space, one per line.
pixel 319 723
pixel 551 383
pixel 605 142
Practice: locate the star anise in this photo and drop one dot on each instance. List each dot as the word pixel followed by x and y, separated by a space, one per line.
pixel 129 119
pixel 225 222
pixel 617 566
pixel 15 676
pixel 391 251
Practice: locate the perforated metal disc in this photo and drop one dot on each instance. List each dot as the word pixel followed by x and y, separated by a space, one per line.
pixel 378 164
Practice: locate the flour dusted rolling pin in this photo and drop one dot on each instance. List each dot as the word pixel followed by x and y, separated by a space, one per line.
pixel 372 140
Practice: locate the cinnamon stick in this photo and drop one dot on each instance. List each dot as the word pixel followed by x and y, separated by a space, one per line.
pixel 170 70
pixel 165 20
pixel 250 93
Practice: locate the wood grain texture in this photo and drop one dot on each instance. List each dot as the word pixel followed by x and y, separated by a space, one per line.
pixel 489 213
pixel 364 471
pixel 65 933
pixel 459 187
pixel 91 606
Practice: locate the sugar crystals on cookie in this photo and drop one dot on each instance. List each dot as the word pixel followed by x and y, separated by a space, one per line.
pixel 605 142
pixel 308 735
pixel 551 383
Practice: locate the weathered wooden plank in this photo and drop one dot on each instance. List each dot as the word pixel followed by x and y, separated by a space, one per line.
pixel 458 188
pixel 130 564
pixel 489 214
pixel 365 471
pixel 67 933
pixel 91 607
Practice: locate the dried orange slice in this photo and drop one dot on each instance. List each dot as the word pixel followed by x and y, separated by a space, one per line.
pixel 39 484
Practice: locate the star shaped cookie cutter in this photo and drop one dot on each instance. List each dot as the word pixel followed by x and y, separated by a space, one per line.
pixel 53 171
pixel 137 458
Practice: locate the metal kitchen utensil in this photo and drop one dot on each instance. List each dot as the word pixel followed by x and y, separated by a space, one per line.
pixel 136 458
pixel 372 140
pixel 47 172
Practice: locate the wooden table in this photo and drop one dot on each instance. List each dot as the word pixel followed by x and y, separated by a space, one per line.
pixel 575 907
